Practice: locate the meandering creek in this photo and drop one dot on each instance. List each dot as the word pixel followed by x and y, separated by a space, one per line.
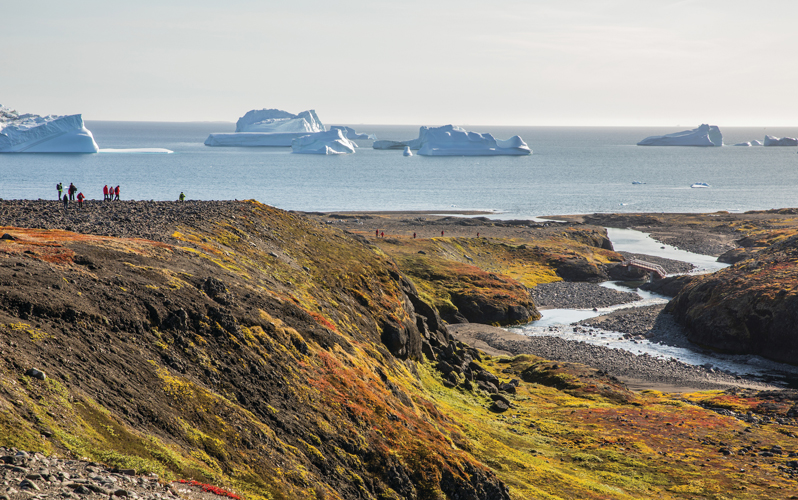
pixel 562 322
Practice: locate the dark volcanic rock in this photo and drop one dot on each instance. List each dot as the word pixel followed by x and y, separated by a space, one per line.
pixel 750 307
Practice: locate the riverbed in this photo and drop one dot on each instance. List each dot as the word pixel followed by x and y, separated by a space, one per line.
pixel 665 340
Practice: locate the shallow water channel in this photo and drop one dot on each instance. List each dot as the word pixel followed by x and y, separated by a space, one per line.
pixel 560 322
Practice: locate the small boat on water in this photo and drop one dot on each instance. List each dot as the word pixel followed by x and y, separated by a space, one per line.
pixel 699 185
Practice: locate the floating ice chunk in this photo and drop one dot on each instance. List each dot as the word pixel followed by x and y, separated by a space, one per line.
pixel 705 135
pixel 743 144
pixel 756 143
pixel 450 140
pixel 137 151
pixel 407 151
pixel 784 141
pixel 699 185
pixel 350 134
pixel 331 142
pixel 30 133
pixel 275 120
pixel 268 127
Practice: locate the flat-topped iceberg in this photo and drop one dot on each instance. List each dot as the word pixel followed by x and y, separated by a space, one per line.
pixel 350 134
pixel 783 141
pixel 31 133
pixel 331 142
pixel 268 127
pixel 743 144
pixel 450 140
pixel 703 136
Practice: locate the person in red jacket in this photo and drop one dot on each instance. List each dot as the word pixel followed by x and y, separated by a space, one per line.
pixel 80 199
pixel 116 192
pixel 105 192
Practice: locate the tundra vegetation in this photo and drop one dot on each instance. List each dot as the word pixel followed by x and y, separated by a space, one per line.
pixel 275 357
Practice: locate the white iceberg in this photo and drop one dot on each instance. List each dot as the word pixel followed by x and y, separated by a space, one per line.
pixel 31 133
pixel 756 143
pixel 743 144
pixel 699 185
pixel 350 134
pixel 331 142
pixel 784 141
pixel 705 136
pixel 407 151
pixel 450 140
pixel 268 127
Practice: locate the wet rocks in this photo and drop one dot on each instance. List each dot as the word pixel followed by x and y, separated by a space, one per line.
pixel 571 295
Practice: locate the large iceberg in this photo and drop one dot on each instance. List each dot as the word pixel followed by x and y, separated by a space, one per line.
pixel 350 134
pixel 450 140
pixel 705 135
pixel 331 142
pixel 268 127
pixel 30 133
pixel 784 141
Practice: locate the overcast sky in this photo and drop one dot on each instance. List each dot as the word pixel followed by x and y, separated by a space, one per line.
pixel 595 62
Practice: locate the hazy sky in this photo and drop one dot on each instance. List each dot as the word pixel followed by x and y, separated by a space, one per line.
pixel 596 62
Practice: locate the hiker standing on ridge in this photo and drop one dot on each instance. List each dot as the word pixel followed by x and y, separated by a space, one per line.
pixel 80 200
pixel 116 192
pixel 72 191
pixel 105 192
pixel 60 188
pixel 182 197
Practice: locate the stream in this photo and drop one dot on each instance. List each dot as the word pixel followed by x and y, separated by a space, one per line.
pixel 561 322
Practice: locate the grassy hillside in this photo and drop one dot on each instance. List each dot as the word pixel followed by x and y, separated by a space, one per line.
pixel 261 351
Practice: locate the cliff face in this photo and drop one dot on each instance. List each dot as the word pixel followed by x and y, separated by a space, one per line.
pixel 254 348
pixel 748 308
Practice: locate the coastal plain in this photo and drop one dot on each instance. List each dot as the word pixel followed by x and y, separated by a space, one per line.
pixel 285 355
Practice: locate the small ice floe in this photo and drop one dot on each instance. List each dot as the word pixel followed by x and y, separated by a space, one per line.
pixel 699 185
pixel 637 182
pixel 137 151
pixel 623 204
pixel 407 151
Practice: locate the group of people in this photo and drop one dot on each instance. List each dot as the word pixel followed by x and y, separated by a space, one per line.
pixel 70 195
pixel 110 193
pixel 73 195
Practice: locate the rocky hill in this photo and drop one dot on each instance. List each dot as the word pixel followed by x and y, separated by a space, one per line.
pixel 262 351
pixel 750 307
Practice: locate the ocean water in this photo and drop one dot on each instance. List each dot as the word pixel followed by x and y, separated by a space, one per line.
pixel 572 170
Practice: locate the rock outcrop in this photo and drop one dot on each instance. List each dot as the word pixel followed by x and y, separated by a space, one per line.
pixel 750 307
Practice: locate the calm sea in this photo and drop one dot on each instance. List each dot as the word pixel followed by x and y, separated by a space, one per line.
pixel 572 170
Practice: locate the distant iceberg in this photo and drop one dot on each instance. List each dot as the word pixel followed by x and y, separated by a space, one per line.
pixel 350 134
pixel 268 127
pixel 31 133
pixel 756 143
pixel 331 142
pixel 450 140
pixel 407 151
pixel 784 141
pixel 743 144
pixel 704 136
